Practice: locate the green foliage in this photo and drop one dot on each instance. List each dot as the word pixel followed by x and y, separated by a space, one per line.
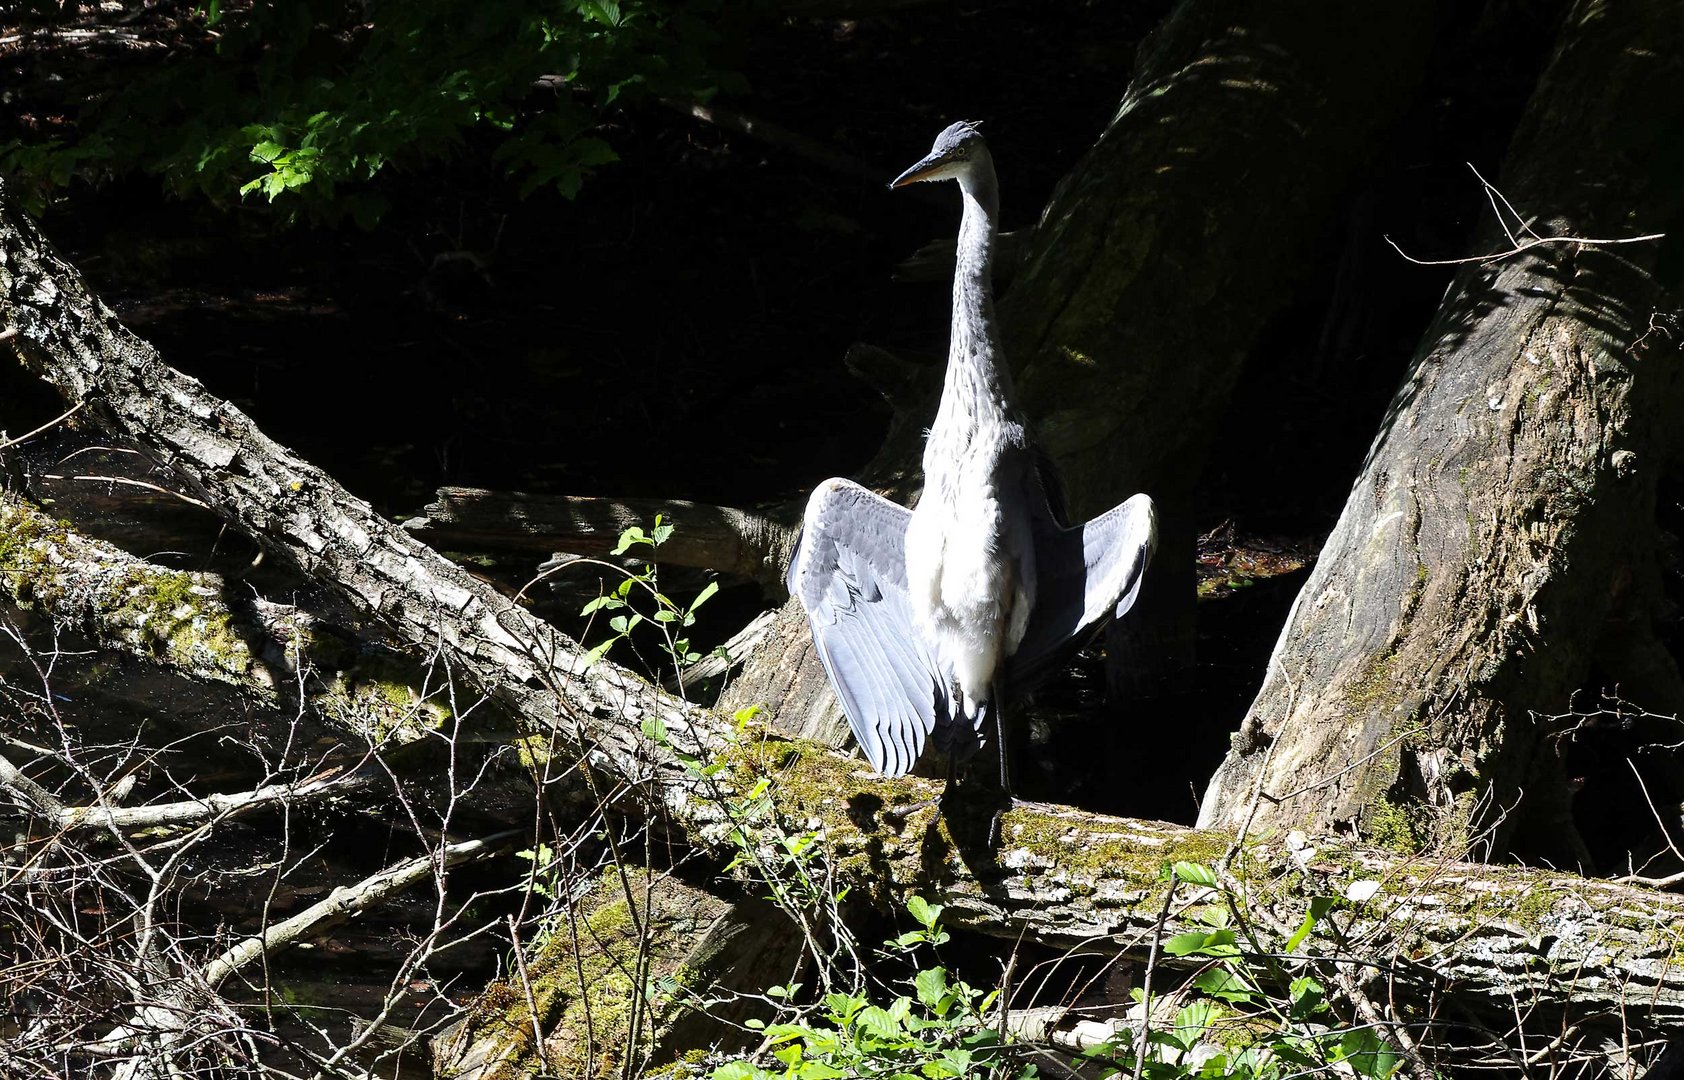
pixel 545 873
pixel 302 102
pixel 668 615
pixel 1232 1024
pixel 933 1026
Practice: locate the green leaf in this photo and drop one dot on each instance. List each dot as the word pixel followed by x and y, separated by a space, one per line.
pixel 1307 997
pixel 931 984
pixel 596 654
pixel 1192 1021
pixel 1215 943
pixel 736 1070
pixel 843 1006
pixel 1194 873
pixel 655 729
pixel 1226 984
pixel 1368 1054
pixel 707 593
pixel 632 535
pixel 879 1022
pixel 926 913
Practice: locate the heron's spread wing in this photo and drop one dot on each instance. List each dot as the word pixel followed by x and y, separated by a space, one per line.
pixel 1084 576
pixel 849 570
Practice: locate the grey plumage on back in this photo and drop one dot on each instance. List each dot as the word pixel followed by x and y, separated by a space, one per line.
pixel 927 620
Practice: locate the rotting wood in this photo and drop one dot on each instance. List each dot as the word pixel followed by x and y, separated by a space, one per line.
pixel 741 542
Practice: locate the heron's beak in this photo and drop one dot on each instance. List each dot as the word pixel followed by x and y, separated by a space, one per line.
pixel 928 169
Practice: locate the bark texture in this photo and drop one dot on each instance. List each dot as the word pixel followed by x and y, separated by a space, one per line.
pixel 1164 253
pixel 1501 536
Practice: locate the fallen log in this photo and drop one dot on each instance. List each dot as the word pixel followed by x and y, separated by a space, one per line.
pixel 722 538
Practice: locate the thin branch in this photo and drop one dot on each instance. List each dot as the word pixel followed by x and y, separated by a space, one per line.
pixel 184 812
pixel 125 481
pixel 1494 195
pixel 1528 245
pixel 349 900
pixel 7 444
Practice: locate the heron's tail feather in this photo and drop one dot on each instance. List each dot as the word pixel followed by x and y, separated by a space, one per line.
pixel 962 729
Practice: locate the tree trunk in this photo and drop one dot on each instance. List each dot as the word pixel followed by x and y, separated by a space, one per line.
pixel 722 538
pixel 1501 539
pixel 1167 250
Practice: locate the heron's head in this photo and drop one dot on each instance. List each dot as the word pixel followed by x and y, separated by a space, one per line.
pixel 957 150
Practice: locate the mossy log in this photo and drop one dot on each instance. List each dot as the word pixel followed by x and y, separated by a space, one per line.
pixel 1501 539
pixel 587 983
pixel 351 681
pixel 136 607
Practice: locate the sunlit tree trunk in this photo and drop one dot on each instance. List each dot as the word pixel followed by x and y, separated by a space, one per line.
pixel 1500 542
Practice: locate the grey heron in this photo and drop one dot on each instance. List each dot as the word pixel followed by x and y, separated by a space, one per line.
pixel 928 621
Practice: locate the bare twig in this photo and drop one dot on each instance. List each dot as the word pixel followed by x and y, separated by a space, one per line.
pixel 1516 246
pixel 349 900
pixel 7 444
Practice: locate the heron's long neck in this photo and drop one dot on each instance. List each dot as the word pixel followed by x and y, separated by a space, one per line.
pixel 978 384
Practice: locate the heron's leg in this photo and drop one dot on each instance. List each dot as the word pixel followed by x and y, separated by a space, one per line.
pixel 999 697
pixel 998 708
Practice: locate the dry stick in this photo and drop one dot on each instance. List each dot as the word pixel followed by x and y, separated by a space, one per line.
pixel 45 802
pixel 1006 991
pixel 7 444
pixel 346 901
pixel 126 482
pixel 1644 788
pixel 1493 195
pixel 531 1002
pixel 1141 1043
pixel 183 812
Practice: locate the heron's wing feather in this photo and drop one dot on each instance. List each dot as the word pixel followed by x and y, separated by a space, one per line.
pixel 849 571
pixel 1084 576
